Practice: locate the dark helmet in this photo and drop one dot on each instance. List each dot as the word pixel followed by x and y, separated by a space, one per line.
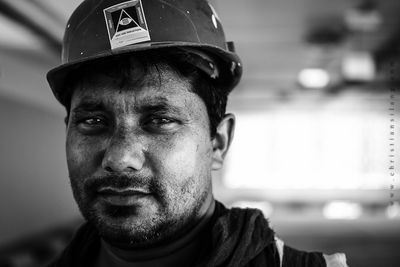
pixel 104 28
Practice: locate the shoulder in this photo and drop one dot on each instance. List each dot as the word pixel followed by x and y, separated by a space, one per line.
pixel 292 257
pixel 336 260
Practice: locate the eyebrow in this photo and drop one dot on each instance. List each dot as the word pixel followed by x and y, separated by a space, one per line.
pixel 154 105
pixel 89 105
pixel 157 106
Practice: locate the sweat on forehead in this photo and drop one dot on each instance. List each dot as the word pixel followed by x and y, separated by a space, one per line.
pixel 100 90
pixel 125 73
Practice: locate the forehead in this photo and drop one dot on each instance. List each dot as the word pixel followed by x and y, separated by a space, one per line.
pixel 135 87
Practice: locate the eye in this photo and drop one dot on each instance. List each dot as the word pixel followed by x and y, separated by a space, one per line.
pixel 92 121
pixel 160 121
pixel 160 124
pixel 92 124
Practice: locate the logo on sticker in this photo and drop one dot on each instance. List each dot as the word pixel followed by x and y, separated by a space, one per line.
pixel 126 24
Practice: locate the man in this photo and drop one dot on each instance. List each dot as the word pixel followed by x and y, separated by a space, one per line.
pixel 145 87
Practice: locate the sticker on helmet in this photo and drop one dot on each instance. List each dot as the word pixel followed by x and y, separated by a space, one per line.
pixel 126 24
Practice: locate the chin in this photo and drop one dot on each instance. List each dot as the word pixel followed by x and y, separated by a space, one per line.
pixel 128 225
pixel 133 230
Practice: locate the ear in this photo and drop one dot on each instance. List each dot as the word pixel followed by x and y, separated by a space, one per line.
pixel 222 140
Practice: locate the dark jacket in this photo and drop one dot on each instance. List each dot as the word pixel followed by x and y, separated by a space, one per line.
pixel 238 238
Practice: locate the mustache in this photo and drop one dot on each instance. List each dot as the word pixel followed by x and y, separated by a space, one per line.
pixel 122 181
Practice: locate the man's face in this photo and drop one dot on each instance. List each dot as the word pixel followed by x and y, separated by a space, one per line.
pixel 139 156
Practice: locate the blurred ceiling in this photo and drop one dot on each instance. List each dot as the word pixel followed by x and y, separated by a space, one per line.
pixel 275 38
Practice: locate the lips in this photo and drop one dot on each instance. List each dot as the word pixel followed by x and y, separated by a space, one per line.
pixel 122 191
pixel 122 196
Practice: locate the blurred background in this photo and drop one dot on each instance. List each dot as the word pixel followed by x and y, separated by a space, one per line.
pixel 316 145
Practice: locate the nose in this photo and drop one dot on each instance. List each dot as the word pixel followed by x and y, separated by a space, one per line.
pixel 124 153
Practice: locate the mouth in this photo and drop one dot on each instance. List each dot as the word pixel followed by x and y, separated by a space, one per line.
pixel 122 196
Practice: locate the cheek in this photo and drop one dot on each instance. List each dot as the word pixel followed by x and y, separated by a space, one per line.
pixel 81 156
pixel 182 157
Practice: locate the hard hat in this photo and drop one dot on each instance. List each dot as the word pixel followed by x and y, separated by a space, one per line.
pixel 104 28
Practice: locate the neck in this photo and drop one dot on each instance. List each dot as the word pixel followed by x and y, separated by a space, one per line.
pixel 183 247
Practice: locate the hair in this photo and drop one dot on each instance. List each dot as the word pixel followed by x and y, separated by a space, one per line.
pixel 213 95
